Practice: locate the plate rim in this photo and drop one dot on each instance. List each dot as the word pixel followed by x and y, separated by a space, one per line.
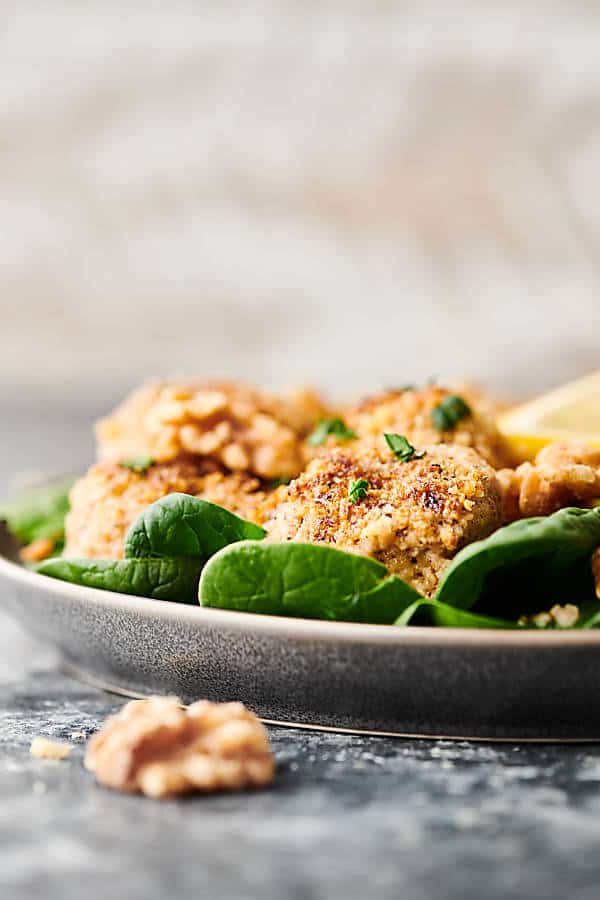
pixel 297 628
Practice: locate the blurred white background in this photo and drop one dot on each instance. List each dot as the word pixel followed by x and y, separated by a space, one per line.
pixel 342 192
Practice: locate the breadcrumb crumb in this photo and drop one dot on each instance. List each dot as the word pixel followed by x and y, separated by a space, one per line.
pixel 44 748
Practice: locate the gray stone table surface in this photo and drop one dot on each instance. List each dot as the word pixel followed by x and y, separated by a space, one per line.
pixel 348 816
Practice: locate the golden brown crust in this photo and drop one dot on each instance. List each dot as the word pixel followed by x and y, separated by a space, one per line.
pixel 107 500
pixel 408 412
pixel 416 515
pixel 158 748
pixel 562 474
pixel 239 427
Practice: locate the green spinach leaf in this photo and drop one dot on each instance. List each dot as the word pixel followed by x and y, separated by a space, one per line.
pixel 307 580
pixel 39 513
pixel 159 579
pixel 180 525
pixel 432 612
pixel 526 567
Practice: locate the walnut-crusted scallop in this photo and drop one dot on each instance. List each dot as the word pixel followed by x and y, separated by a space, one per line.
pixel 240 427
pixel 409 412
pixel 108 499
pixel 414 517
pixel 160 749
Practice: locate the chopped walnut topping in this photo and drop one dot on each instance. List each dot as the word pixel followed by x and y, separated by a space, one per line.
pixel 562 474
pixel 158 748
pixel 44 748
pixel 558 617
pixel 37 550
pixel 239 427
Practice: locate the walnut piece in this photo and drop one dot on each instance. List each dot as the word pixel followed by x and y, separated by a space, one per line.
pixel 37 550
pixel 239 427
pixel 559 616
pixel 159 748
pixel 562 474
pixel 44 748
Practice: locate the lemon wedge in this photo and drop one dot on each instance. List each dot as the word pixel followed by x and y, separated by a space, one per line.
pixel 568 413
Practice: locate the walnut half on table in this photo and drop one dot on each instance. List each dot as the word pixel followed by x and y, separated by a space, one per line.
pixel 159 748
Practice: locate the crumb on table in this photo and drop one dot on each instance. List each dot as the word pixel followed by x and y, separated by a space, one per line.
pixel 44 748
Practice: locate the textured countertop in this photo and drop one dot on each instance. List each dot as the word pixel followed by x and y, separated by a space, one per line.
pixel 348 816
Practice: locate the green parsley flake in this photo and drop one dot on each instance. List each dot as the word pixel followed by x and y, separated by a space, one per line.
pixel 278 482
pixel 358 490
pixel 447 414
pixel 327 427
pixel 137 464
pixel 401 448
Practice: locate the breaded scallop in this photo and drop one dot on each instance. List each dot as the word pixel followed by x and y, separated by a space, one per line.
pixel 106 501
pixel 409 412
pixel 565 473
pixel 413 519
pixel 239 427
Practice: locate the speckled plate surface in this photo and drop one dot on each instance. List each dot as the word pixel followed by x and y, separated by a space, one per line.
pixel 426 682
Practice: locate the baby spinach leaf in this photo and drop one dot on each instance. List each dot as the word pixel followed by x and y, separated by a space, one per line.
pixel 40 512
pixel 432 612
pixel 526 566
pixel 589 616
pixel 159 579
pixel 180 525
pixel 307 580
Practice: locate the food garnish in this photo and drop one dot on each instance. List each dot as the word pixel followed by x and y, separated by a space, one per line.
pixel 448 413
pixel 358 490
pixel 137 464
pixel 402 448
pixel 44 748
pixel 336 428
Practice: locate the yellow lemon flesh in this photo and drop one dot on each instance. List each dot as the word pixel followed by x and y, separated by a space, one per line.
pixel 568 413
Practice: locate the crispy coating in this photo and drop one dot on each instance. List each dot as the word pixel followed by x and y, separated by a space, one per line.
pixel 408 412
pixel 415 517
pixel 239 427
pixel 106 501
pixel 562 474
pixel 157 748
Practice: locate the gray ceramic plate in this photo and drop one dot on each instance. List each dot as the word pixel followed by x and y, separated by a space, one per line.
pixel 424 682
